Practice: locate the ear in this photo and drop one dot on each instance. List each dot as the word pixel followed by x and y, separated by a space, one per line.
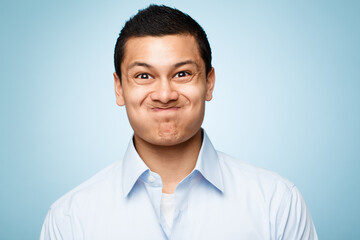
pixel 210 83
pixel 118 91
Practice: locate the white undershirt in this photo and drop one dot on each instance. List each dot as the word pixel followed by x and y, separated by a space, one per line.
pixel 167 206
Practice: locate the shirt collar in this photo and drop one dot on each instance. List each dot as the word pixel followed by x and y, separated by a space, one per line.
pixel 133 167
pixel 207 164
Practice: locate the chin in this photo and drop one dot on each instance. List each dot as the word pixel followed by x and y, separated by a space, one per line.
pixel 168 138
pixel 172 138
pixel 167 143
pixel 166 135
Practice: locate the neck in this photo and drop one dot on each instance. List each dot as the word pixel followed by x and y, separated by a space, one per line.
pixel 172 163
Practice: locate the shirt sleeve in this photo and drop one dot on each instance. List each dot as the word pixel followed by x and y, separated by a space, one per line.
pixel 57 226
pixel 295 222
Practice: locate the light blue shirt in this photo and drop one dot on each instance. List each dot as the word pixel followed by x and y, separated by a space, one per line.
pixel 222 198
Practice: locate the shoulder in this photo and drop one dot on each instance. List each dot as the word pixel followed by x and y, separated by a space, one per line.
pixel 68 214
pixel 286 209
pixel 243 176
pixel 249 171
pixel 99 184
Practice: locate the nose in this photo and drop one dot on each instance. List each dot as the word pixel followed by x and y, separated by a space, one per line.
pixel 164 92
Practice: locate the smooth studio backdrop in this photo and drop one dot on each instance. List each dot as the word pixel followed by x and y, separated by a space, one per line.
pixel 286 99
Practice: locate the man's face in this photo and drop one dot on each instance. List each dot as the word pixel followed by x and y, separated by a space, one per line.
pixel 164 88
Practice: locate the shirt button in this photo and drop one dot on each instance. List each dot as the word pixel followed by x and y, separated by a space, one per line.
pixel 151 179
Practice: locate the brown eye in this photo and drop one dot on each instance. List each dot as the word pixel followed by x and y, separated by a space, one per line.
pixel 182 74
pixel 144 76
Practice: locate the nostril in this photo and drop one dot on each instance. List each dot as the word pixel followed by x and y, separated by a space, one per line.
pixel 164 92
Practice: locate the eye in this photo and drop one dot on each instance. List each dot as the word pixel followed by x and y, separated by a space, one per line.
pixel 182 74
pixel 144 76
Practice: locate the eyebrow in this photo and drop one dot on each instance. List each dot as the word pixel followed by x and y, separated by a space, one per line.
pixel 141 64
pixel 179 64
pixel 186 62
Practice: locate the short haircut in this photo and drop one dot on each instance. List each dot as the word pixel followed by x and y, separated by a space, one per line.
pixel 160 20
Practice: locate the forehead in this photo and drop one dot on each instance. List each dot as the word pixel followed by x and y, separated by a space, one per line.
pixel 161 50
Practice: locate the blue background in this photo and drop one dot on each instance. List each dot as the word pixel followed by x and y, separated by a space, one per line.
pixel 286 99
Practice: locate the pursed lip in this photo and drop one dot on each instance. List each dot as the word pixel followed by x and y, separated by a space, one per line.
pixel 162 109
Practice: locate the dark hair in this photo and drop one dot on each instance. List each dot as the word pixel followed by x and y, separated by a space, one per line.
pixel 161 20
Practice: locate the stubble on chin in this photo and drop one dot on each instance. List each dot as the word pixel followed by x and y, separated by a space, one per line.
pixel 168 131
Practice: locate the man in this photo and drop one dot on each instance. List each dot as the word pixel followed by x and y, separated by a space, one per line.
pixel 172 183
